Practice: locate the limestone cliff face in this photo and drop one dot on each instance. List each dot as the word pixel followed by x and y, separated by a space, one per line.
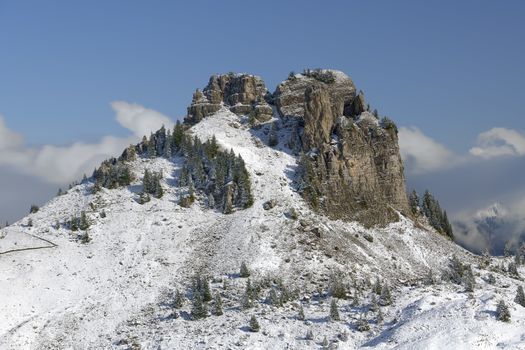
pixel 243 94
pixel 354 157
pixel 353 167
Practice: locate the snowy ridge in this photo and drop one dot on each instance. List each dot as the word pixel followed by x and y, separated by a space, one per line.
pixel 114 292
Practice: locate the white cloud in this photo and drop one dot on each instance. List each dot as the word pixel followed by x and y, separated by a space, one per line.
pixel 498 142
pixel 139 119
pixel 62 164
pixel 8 138
pixel 422 154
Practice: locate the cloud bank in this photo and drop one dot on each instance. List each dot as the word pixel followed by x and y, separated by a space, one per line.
pixel 489 177
pixel 61 164
pixel 498 142
pixel 422 154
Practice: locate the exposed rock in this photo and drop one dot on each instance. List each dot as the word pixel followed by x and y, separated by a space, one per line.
pixel 243 94
pixel 269 204
pixel 289 96
pixel 355 164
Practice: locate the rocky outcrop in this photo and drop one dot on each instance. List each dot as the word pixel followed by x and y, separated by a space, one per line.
pixel 352 168
pixel 289 96
pixel 243 94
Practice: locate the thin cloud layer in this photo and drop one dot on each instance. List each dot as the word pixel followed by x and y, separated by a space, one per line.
pixel 139 119
pixel 422 154
pixel 62 164
pixel 498 142
pixel 8 138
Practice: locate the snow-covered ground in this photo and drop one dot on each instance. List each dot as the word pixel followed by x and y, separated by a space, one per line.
pixel 115 291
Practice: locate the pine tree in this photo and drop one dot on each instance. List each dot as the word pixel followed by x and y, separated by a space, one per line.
pixel 385 298
pixel 245 272
pixel 377 287
pixel 325 343
pixel 168 146
pixel 469 280
pixel 254 325
pixel 152 152
pixel 205 290
pixel 513 270
pixel 413 200
pixel 334 311
pixel 300 315
pixel 502 312
pixel 247 299
pixel 520 296
pixel 309 335
pixel 199 309
pixel 273 138
pixel 217 311
pixel 83 224
pixel 274 298
pixel 373 304
pixel 178 300
pixel 73 224
pixel 380 317
pixel 178 135
pixel 362 324
pixel 211 201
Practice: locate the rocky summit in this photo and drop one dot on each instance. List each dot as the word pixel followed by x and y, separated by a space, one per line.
pixel 356 171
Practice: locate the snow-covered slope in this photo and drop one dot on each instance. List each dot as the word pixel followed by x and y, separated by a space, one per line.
pixel 116 290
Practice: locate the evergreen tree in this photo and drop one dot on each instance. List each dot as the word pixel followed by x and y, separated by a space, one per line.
pixel 502 312
pixel 334 311
pixel 247 299
pixel 300 315
pixel 205 289
pixel 217 311
pixel 152 152
pixel 309 335
pixel 273 137
pixel 199 309
pixel 73 224
pixel 274 298
pixel 373 304
pixel 325 343
pixel 385 298
pixel 362 324
pixel 34 208
pixel 254 325
pixel 178 135
pixel 513 270
pixel 211 201
pixel 245 272
pixel 83 224
pixel 413 200
pixel 178 300
pixel 380 317
pixel 469 280
pixel 168 146
pixel 377 287
pixel 520 296
pixel 159 192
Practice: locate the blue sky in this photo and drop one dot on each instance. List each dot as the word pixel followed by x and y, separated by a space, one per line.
pixel 453 69
pixel 429 64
